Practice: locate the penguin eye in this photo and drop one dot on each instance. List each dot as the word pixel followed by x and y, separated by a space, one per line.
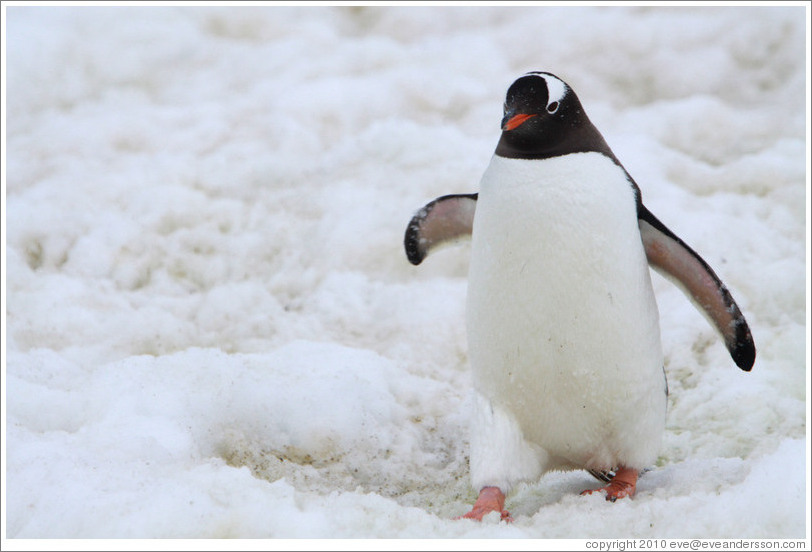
pixel 552 108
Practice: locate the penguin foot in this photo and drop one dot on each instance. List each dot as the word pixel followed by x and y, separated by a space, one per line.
pixel 491 499
pixel 623 484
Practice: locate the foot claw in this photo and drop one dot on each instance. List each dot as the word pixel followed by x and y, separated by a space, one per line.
pixel 490 500
pixel 623 484
pixel 478 515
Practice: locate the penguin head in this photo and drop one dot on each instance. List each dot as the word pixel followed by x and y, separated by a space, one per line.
pixel 544 118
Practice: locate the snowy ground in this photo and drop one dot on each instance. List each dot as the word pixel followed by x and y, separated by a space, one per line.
pixel 212 329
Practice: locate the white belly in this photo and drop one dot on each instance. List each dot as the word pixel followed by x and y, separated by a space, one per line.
pixel 563 326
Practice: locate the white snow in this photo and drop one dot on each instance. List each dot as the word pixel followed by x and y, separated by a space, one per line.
pixel 211 326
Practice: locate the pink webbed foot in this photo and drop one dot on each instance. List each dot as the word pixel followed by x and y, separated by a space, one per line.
pixel 623 484
pixel 491 499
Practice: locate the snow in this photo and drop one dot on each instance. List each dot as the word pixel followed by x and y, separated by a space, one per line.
pixel 211 326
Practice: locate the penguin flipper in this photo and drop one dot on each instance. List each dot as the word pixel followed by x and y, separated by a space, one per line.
pixel 672 258
pixel 446 218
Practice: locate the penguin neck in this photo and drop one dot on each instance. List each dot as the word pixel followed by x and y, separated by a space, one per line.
pixel 581 138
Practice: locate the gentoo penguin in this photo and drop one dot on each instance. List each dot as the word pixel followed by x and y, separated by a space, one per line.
pixel 563 327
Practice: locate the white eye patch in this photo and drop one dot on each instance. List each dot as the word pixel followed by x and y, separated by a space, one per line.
pixel 556 90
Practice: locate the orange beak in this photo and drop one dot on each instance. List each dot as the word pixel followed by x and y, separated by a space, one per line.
pixel 515 121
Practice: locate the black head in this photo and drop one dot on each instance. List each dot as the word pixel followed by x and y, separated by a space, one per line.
pixel 544 118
